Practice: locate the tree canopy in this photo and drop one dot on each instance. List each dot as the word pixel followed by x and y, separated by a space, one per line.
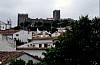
pixel 78 46
pixel 22 62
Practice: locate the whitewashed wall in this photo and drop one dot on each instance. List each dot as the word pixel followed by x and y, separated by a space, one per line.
pixel 23 35
pixel 26 58
pixel 34 52
pixel 35 43
pixel 8 26
pixel 3 27
pixel 7 44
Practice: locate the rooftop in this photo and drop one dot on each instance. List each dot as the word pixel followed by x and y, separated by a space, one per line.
pixel 2 23
pixel 43 38
pixel 8 31
pixel 6 57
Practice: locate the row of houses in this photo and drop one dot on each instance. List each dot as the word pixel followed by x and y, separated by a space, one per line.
pixel 25 36
pixel 35 43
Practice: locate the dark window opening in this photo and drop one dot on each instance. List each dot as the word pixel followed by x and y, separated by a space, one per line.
pixel 45 45
pixel 17 34
pixel 30 44
pixel 3 27
pixel 40 45
pixel 33 45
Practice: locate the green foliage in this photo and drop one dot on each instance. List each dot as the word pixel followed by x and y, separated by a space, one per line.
pixel 40 63
pixel 17 62
pixel 38 24
pixel 78 46
pixel 30 62
pixel 17 28
pixel 22 62
pixel 25 25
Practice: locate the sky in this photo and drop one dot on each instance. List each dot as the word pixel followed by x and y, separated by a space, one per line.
pixel 9 9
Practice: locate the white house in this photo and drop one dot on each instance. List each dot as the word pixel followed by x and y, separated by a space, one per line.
pixel 35 52
pixel 7 44
pixel 37 46
pixel 21 35
pixel 6 57
pixel 43 34
pixel 39 43
pixel 39 33
pixel 56 34
pixel 4 26
pixel 61 29
pixel 8 33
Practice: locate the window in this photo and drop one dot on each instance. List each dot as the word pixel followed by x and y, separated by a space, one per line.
pixel 17 34
pixel 45 45
pixel 28 45
pixel 29 40
pixel 28 32
pixel 3 27
pixel 33 45
pixel 40 45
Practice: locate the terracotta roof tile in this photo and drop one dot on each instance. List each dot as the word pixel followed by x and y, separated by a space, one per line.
pixel 8 31
pixel 44 38
pixel 6 57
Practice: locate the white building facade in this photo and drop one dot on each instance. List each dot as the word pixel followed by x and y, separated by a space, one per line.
pixel 23 35
pixel 4 26
pixel 39 43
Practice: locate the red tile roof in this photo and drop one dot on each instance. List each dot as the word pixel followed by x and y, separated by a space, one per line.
pixel 6 57
pixel 2 23
pixel 43 38
pixel 8 31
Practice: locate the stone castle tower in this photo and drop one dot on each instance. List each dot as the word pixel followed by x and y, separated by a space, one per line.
pixel 22 18
pixel 56 14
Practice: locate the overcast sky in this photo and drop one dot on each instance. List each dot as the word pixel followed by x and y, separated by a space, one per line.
pixel 43 8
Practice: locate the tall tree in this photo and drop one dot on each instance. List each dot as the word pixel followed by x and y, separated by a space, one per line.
pixel 78 46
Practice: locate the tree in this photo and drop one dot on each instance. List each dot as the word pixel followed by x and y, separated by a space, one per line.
pixel 17 62
pixel 25 25
pixel 40 63
pixel 30 62
pixel 78 46
pixel 17 28
pixel 22 62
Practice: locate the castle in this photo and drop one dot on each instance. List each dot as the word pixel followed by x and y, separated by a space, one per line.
pixel 24 18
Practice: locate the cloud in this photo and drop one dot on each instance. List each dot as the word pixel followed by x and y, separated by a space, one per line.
pixel 76 8
pixel 44 8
